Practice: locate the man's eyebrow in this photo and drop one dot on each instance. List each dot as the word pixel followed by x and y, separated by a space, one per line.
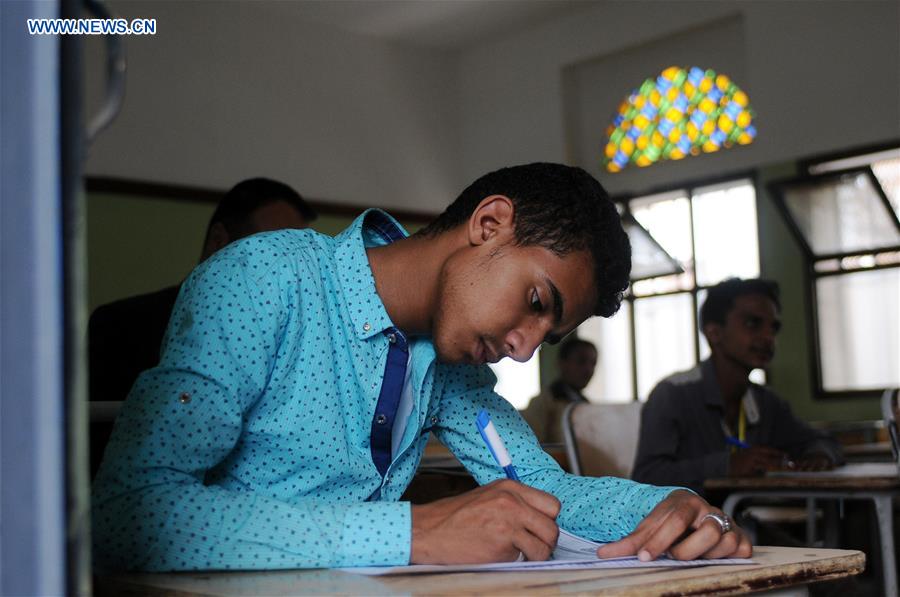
pixel 557 302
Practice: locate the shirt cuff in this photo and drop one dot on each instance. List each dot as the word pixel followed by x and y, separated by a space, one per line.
pixel 378 535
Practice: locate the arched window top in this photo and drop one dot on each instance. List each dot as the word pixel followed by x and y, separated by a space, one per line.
pixel 679 113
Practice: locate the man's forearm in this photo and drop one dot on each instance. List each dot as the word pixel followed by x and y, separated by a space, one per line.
pixel 192 527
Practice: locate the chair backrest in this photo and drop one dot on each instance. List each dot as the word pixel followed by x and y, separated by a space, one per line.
pixel 601 439
pixel 890 411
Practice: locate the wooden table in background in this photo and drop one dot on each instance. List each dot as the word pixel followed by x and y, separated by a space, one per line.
pixel 877 482
pixel 778 568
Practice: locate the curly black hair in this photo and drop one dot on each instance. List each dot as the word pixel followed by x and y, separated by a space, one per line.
pixel 720 298
pixel 561 208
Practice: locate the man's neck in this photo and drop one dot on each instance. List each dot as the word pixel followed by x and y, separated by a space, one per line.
pixel 406 276
pixel 733 380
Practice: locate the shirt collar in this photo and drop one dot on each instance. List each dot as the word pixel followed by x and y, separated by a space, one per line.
pixel 372 228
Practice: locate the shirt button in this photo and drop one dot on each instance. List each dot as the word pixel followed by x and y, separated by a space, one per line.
pixel 184 398
pixel 381 419
pixel 434 420
pixel 366 327
pixel 392 338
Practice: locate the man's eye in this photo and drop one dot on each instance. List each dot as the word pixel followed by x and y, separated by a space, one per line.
pixel 536 304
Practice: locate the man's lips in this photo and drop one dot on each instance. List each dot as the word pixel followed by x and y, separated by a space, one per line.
pixel 478 355
pixel 484 353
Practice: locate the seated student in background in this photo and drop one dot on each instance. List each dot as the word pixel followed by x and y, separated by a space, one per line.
pixel 576 362
pixel 693 420
pixel 125 336
pixel 302 375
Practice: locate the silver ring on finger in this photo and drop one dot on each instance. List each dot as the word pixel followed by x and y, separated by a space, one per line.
pixel 722 520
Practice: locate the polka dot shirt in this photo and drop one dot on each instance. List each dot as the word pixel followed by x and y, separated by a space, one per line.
pixel 248 446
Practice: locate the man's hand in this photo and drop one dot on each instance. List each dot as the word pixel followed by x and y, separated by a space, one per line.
pixel 493 523
pixel 757 460
pixel 676 525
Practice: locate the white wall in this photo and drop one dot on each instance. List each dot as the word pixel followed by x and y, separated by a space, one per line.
pixel 227 90
pixel 822 76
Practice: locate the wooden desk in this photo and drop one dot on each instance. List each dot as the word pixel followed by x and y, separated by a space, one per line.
pixel 878 482
pixel 778 567
pixel 869 452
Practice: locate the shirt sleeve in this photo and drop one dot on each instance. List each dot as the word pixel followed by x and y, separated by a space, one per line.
pixel 151 508
pixel 657 458
pixel 598 508
pixel 535 414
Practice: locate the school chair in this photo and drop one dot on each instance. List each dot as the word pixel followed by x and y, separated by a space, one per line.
pixel 601 439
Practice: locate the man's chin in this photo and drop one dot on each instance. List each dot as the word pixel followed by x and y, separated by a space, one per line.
pixel 449 357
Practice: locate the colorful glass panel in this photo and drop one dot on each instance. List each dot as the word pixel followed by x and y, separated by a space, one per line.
pixel 682 112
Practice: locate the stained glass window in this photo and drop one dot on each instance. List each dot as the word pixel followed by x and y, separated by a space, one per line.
pixel 682 112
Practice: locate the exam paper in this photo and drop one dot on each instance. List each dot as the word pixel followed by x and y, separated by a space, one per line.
pixel 571 553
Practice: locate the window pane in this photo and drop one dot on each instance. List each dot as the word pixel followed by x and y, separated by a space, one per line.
pixel 648 258
pixel 725 239
pixel 612 377
pixel 663 285
pixel 518 382
pixel 664 331
pixel 667 217
pixel 841 215
pixel 704 345
pixel 859 329
pixel 888 174
pixel 885 164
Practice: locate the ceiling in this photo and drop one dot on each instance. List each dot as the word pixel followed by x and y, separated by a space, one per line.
pixel 440 24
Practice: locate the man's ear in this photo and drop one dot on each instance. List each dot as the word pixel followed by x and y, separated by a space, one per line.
pixel 217 238
pixel 492 219
pixel 713 333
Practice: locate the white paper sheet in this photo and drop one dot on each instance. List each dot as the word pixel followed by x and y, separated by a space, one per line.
pixel 571 553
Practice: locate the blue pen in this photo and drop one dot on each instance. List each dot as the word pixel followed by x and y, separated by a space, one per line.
pixel 495 444
pixel 736 442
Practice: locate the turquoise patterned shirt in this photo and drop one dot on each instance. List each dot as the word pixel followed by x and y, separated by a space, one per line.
pixel 248 445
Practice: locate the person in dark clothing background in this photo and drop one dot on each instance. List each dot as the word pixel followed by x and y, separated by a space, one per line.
pixel 576 362
pixel 712 421
pixel 125 336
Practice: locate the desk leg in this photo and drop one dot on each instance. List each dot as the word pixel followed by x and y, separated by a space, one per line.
pixel 810 521
pixel 729 508
pixel 885 515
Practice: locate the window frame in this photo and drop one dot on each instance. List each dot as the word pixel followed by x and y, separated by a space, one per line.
pixel 688 187
pixel 811 274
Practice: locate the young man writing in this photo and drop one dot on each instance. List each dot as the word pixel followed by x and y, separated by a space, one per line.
pixel 303 373
pixel 712 421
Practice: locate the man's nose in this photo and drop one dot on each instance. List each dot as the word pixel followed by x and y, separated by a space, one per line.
pixel 524 341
